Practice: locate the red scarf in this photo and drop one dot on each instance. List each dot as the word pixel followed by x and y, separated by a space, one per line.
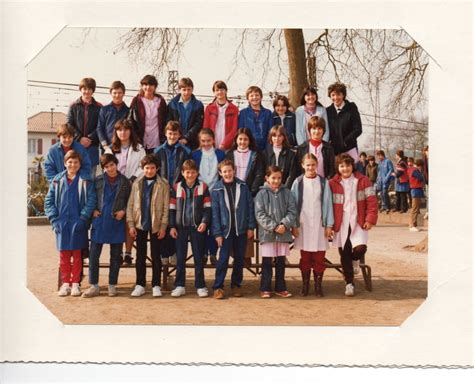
pixel 315 143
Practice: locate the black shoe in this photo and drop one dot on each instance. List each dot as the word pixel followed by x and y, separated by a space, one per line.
pixel 213 259
pixel 128 259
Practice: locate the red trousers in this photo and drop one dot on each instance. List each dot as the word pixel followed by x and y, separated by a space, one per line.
pixel 313 260
pixel 70 273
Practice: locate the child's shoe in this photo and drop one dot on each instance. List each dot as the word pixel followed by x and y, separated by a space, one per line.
pixel 349 290
pixel 265 294
pixel 157 291
pixel 127 258
pixel 178 291
pixel 219 293
pixel 356 266
pixel 138 291
pixel 75 290
pixel 202 292
pixel 283 294
pixel 414 229
pixel 64 290
pixel 91 292
pixel 112 290
pixel 165 261
pixel 236 292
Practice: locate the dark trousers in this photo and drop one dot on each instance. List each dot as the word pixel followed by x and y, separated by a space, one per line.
pixel 167 245
pixel 401 202
pixel 348 254
pixel 267 269
pixel 198 245
pixel 385 198
pixel 140 264
pixel 236 244
pixel 94 255
pixel 211 245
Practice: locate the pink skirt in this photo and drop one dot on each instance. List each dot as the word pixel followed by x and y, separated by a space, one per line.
pixel 274 249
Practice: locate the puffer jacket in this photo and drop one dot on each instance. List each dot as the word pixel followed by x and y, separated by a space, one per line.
pixel 273 208
pixel 121 197
pixel 159 205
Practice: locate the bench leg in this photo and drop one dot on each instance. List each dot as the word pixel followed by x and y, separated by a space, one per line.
pixel 367 274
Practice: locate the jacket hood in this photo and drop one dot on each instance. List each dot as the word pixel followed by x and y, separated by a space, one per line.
pixel 220 183
pixel 267 187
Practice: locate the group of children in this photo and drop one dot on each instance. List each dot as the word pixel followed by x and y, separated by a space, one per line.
pixel 180 173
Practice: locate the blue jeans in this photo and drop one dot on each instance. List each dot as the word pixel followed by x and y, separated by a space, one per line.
pixel 94 255
pixel 237 244
pixel 385 198
pixel 211 245
pixel 198 244
pixel 267 267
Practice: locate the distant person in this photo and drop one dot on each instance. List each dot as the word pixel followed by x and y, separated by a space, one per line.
pixel 361 165
pixel 344 120
pixel 147 217
pixel 275 213
pixel 222 117
pixel 190 216
pixel 316 145
pixel 108 223
pixel 355 213
pixel 256 117
pixel 384 179
pixel 148 114
pixel 314 222
pixel 410 165
pixel 233 224
pixel 83 115
pixel 110 114
pixel 371 169
pixel 283 116
pixel 310 107
pixel 54 162
pixel 69 205
pixel 425 174
pixel 402 185
pixel 188 111
pixel 417 184
pixel 279 153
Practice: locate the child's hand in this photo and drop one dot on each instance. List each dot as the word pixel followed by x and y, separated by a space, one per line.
pixel 183 141
pixel 295 232
pixel 328 233
pixel 367 226
pixel 249 234
pixel 280 229
pixel 219 241
pixel 173 233
pixel 202 227
pixel 161 234
pixel 96 213
pixel 119 215
pixel 133 233
pixel 85 141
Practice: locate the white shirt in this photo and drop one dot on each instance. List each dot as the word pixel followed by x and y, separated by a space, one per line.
pixel 208 168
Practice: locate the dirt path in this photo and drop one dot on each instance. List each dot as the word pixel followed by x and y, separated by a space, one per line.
pixel 399 287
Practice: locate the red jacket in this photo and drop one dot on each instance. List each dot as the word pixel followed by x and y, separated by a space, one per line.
pixel 415 183
pixel 401 170
pixel 231 121
pixel 367 206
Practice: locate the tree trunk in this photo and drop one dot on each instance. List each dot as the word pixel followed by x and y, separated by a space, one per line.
pixel 297 65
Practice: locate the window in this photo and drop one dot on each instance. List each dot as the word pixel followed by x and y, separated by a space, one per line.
pixel 32 146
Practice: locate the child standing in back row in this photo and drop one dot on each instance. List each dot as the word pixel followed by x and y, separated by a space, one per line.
pixel 275 212
pixel 310 107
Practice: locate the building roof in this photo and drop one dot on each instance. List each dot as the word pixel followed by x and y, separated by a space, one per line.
pixel 41 122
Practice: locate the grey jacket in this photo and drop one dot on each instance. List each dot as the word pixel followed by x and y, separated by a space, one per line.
pixel 272 209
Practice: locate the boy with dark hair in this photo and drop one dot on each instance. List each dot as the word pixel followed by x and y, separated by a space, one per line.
pixel 361 165
pixel 68 205
pixel 108 224
pixel 256 117
pixel 371 169
pixel 188 111
pixel 148 112
pixel 147 214
pixel 344 120
pixel 110 114
pixel 83 115
pixel 54 163
pixel 417 184
pixel 190 215
pixel 233 223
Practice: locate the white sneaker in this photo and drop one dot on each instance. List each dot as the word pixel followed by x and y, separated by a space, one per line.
pixel 157 291
pixel 349 290
pixel 178 291
pixel 356 266
pixel 202 292
pixel 64 290
pixel 414 229
pixel 76 290
pixel 112 291
pixel 172 259
pixel 138 291
pixel 165 261
pixel 92 291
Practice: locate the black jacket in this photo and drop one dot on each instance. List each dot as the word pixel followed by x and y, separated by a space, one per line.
pixel 75 117
pixel 287 163
pixel 183 153
pixel 328 158
pixel 256 171
pixel 121 198
pixel 346 127
pixel 196 117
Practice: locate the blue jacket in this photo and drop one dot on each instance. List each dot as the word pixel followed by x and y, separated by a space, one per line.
pixel 384 175
pixel 197 156
pixel 193 125
pixel 259 126
pixel 70 222
pixel 302 134
pixel 162 154
pixel 108 116
pixel 244 212
pixel 289 123
pixel 54 163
